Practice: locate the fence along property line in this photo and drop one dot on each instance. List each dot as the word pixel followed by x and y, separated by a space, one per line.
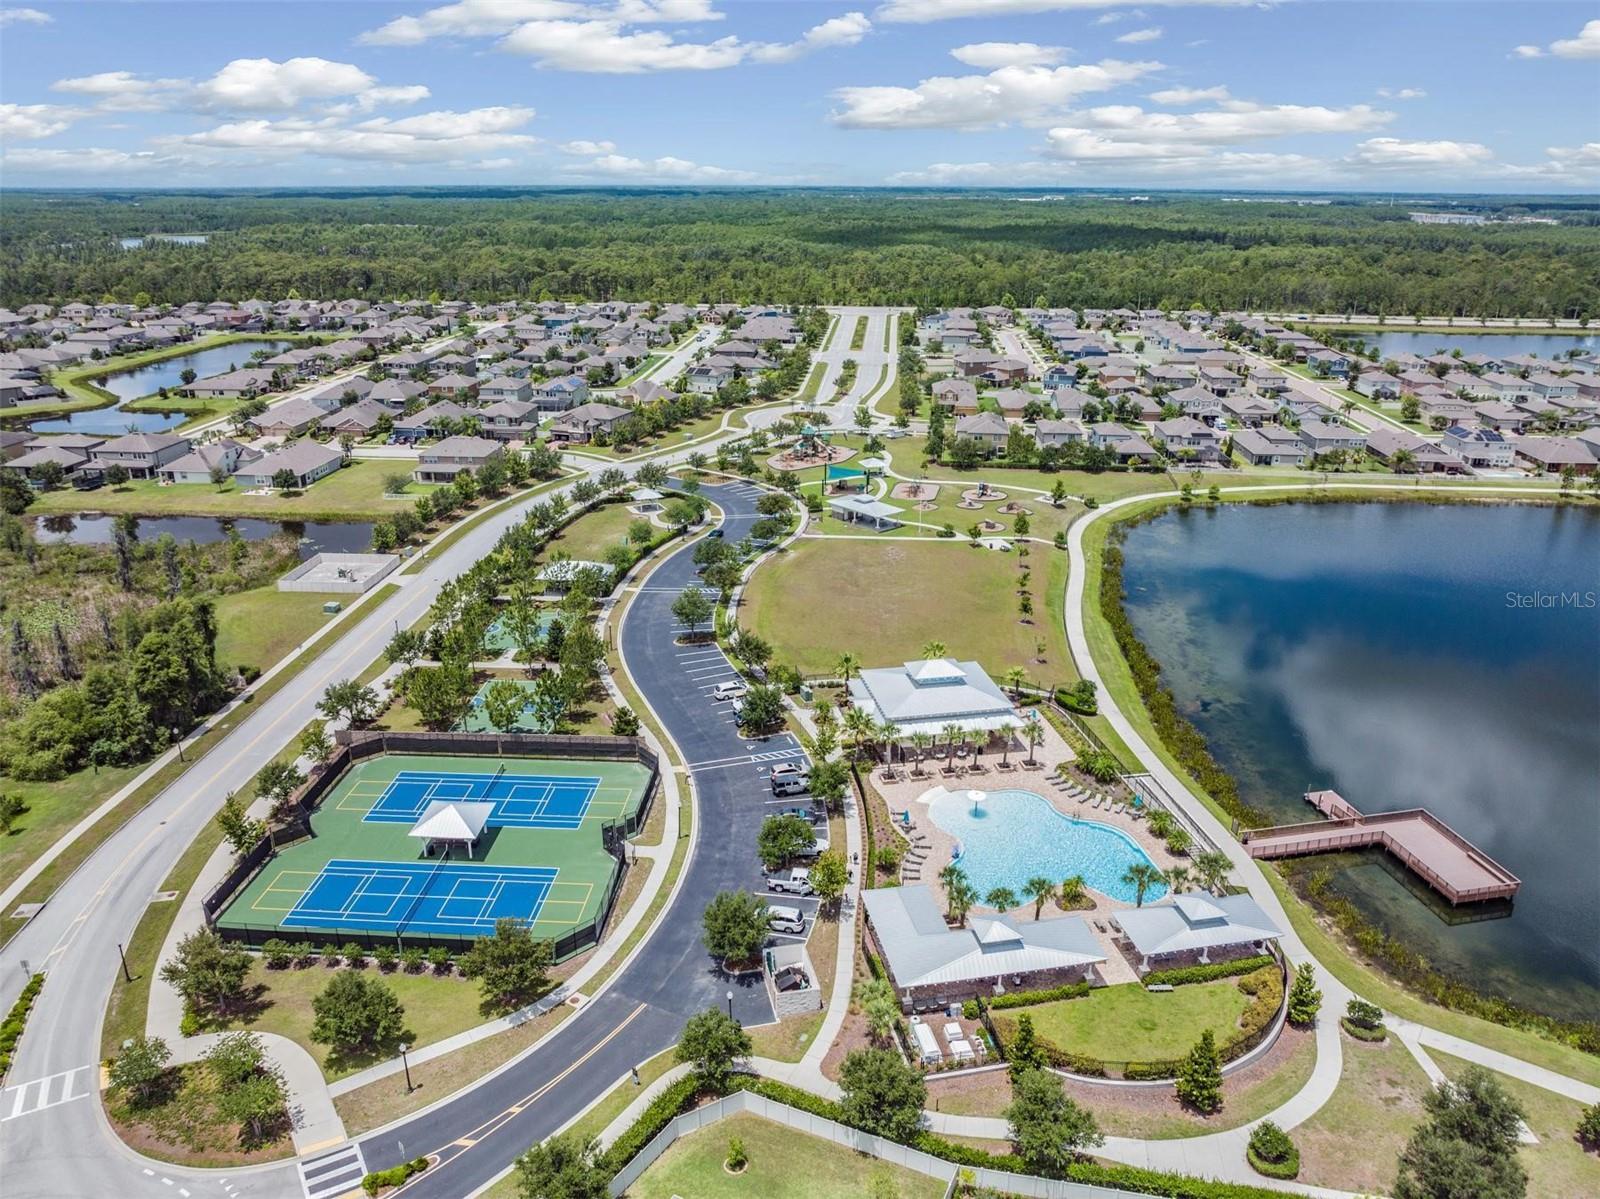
pixel 357 745
pixel 749 1103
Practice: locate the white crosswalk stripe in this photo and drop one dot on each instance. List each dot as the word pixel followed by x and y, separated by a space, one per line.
pixel 335 1173
pixel 38 1094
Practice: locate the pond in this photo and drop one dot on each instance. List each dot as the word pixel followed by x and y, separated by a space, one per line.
pixel 95 528
pixel 1405 655
pixel 1545 345
pixel 1010 836
pixel 177 239
pixel 147 380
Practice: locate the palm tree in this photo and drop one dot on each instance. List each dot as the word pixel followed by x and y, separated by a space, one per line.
pixel 1071 893
pixel 959 894
pixel 1402 460
pixel 847 667
pixel 1034 732
pixel 1006 732
pixel 1141 876
pixel 859 727
pixel 1162 823
pixel 1001 899
pixel 1178 878
pixel 1014 679
pixel 1213 867
pixel 934 649
pixel 920 742
pixel 951 732
pixel 1039 889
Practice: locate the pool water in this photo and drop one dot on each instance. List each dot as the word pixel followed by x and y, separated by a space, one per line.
pixel 1013 836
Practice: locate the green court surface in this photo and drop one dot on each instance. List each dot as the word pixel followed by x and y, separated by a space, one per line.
pixel 477 718
pixel 340 832
pixel 498 639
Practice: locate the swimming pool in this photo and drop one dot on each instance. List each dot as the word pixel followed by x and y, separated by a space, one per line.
pixel 1015 835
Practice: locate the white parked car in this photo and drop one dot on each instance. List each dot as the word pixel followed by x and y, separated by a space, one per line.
pixel 786 920
pixel 727 691
pixel 796 882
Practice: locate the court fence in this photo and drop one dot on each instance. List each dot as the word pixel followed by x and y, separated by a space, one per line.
pixel 352 746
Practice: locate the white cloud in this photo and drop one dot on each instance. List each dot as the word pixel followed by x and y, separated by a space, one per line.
pixel 967 174
pixel 23 16
pixel 989 55
pixel 1235 167
pixel 1402 93
pixel 123 91
pixel 88 161
pixel 660 170
pixel 606 47
pixel 377 97
pixel 922 11
pixel 586 149
pixel 644 12
pixel 457 138
pixel 263 85
pixel 1231 121
pixel 1585 45
pixel 1135 36
pixel 1110 18
pixel 844 30
pixel 1189 95
pixel 1393 153
pixel 30 122
pixel 469 18
pixel 1020 93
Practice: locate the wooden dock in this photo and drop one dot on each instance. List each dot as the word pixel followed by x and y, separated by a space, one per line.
pixel 1447 861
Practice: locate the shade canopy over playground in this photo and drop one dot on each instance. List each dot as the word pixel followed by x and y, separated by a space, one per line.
pixel 452 822
pixel 862 508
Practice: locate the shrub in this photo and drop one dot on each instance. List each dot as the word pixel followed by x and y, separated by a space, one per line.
pixel 354 956
pixel 384 956
pixel 969 1010
pixel 16 1020
pixel 1265 987
pixel 439 959
pixel 1271 1152
pixel 412 959
pixel 1305 999
pixel 1184 975
pixel 737 1158
pixel 394 1176
pixel 1200 1076
pixel 328 955
pixel 1589 1127
pixel 1048 995
pixel 277 954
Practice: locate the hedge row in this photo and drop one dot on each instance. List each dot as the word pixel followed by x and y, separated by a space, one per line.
pixel 1288 1168
pixel 663 1109
pixel 394 1176
pixel 1184 975
pixel 1050 995
pixel 16 1020
pixel 1362 1033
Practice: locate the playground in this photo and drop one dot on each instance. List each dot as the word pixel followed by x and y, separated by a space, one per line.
pixel 536 856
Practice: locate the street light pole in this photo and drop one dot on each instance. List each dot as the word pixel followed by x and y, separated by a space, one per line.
pixel 730 1005
pixel 177 736
pixel 127 975
pixel 404 1061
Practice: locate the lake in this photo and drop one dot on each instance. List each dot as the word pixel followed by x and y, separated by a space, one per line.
pixel 94 528
pixel 1407 656
pixel 178 239
pixel 1545 345
pixel 147 380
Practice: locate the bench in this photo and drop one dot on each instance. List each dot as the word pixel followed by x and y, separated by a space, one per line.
pixel 1159 987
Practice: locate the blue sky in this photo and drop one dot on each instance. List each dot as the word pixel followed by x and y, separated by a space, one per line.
pixel 1303 94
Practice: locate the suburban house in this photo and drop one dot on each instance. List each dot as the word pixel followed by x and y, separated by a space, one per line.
pixel 1555 454
pixel 1268 382
pixel 1378 385
pixel 232 385
pixel 1195 929
pixel 225 456
pixel 1449 409
pixel 290 418
pixel 442 462
pixel 926 695
pixel 140 454
pixel 504 387
pixel 1320 437
pixel 557 395
pixel 1479 448
pixel 1270 446
pixel 395 394
pixel 932 965
pixel 307 461
pixel 1049 432
pixel 1219 382
pixel 432 421
pixel 509 420
pixel 586 420
pixel 1187 438
pixel 73 461
pixel 1007 370
pixel 958 395
pixel 707 378
pixel 645 392
pixel 1059 374
pixel 1249 411
pixel 1127 445
pixel 1196 402
pixel 989 429
pixel 358 420
pixel 1384 441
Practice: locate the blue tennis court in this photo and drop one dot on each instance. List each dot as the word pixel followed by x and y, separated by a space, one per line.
pixel 453 898
pixel 520 800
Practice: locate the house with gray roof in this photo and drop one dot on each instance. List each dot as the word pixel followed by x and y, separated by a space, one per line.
pixel 140 454
pixel 1270 446
pixel 926 695
pixel 226 456
pixel 1195 929
pixel 988 429
pixel 307 461
pixel 932 965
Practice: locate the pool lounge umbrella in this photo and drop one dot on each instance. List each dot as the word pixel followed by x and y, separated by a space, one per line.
pixel 452 821
pixel 976 797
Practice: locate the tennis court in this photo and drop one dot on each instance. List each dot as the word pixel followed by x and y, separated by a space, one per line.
pixel 421 897
pixel 541 858
pixel 520 800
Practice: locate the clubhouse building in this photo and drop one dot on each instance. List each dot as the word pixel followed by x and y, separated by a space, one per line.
pixel 928 696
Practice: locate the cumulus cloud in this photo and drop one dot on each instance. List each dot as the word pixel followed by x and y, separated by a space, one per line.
pixel 1231 121
pixel 989 55
pixel 432 137
pixel 922 11
pixel 1401 93
pixel 1119 167
pixel 1189 95
pixel 605 47
pixel 469 18
pixel 94 160
pixel 123 91
pixel 30 122
pixel 245 85
pixel 657 170
pixel 1393 153
pixel 844 30
pixel 23 16
pixel 587 149
pixel 1585 45
pixel 1135 36
pixel 1019 93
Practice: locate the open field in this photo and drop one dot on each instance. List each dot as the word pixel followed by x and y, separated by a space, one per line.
pixel 589 536
pixel 353 493
pixel 1128 1023
pixel 1375 1106
pixel 783 1164
pixel 883 600
pixel 259 626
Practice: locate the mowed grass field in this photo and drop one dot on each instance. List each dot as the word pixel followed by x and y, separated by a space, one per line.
pixel 783 1164
pixel 1126 1023
pixel 883 599
pixel 258 627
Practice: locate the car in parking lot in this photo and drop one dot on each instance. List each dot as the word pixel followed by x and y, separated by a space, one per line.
pixel 786 920
pixel 787 779
pixel 795 882
pixel 811 814
pixel 727 691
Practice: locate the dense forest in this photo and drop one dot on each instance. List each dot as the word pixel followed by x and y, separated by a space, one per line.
pixel 802 246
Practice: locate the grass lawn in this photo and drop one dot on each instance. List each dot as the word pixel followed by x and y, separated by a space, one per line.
pixel 1376 1105
pixel 353 493
pixel 858 335
pixel 258 627
pixel 1557 1166
pixel 1128 1023
pixel 783 1164
pixel 820 599
pixel 596 531
pixel 53 808
pixel 436 1008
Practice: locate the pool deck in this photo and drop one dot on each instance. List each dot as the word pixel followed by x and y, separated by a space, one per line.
pixel 1448 862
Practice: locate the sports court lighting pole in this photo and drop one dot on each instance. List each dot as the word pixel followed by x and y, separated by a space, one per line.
pixel 404 1061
